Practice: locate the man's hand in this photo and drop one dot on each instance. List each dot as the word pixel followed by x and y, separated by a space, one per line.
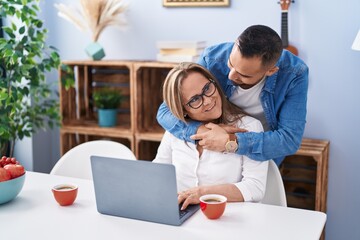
pixel 214 137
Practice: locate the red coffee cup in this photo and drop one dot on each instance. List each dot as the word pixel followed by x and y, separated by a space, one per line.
pixel 213 205
pixel 65 194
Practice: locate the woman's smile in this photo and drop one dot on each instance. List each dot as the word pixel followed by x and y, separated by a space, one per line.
pixel 211 107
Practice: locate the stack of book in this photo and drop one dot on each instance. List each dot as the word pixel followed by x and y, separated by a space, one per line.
pixel 179 51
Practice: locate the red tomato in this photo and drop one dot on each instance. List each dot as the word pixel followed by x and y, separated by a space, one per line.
pixel 8 160
pixel 15 170
pixel 2 161
pixel 4 175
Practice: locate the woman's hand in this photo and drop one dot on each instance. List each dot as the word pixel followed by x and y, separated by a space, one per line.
pixel 190 196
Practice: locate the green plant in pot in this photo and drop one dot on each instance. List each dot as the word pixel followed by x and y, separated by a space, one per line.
pixel 27 101
pixel 107 101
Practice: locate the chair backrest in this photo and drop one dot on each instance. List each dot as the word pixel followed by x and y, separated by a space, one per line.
pixel 76 162
pixel 275 191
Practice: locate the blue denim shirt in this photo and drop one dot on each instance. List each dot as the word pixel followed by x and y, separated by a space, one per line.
pixel 283 99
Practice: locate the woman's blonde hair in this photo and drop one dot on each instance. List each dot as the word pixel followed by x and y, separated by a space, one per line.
pixel 172 93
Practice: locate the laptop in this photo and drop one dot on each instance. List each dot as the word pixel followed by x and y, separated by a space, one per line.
pixel 138 189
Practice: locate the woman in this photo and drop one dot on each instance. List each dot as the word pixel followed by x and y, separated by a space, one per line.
pixel 192 93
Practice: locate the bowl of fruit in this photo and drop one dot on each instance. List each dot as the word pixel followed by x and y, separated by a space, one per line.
pixel 12 178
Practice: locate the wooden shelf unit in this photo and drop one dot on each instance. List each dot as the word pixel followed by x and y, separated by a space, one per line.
pixel 305 175
pixel 139 81
pixel 148 80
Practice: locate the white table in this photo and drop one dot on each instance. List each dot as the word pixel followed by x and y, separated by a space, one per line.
pixel 34 214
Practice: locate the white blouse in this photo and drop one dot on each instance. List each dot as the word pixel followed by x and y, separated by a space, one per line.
pixel 213 168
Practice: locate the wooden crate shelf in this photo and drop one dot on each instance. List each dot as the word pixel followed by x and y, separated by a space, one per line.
pixel 305 175
pixel 139 81
pixel 148 81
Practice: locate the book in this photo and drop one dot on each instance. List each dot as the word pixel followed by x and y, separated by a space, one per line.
pixel 181 51
pixel 176 58
pixel 180 44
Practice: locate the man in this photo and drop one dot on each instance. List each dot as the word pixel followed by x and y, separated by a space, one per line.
pixel 266 81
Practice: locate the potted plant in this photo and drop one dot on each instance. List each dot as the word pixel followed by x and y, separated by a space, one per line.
pixel 107 101
pixel 27 101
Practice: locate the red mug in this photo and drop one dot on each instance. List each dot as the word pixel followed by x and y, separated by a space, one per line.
pixel 213 205
pixel 65 194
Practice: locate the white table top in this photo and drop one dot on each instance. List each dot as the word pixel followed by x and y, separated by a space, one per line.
pixel 34 214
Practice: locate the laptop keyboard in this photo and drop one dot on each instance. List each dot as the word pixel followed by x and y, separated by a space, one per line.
pixel 182 212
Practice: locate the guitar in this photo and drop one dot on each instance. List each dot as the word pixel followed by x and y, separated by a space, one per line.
pixel 285 4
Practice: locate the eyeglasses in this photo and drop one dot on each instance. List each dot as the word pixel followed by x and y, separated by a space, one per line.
pixel 198 100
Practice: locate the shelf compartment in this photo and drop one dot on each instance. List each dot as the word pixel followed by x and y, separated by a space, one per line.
pixel 76 103
pixel 148 81
pixel 299 201
pixel 305 175
pixel 146 150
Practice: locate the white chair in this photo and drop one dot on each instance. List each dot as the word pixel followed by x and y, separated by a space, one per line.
pixel 76 162
pixel 275 191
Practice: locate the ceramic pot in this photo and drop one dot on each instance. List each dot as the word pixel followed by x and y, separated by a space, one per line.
pixel 95 51
pixel 107 117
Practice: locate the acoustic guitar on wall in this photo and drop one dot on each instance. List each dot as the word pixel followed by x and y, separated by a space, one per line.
pixel 285 4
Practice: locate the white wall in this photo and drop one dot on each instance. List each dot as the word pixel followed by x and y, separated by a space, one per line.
pixel 322 31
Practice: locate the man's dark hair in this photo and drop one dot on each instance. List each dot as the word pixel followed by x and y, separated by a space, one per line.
pixel 261 41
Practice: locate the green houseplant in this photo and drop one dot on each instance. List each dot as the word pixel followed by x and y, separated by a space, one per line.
pixel 27 101
pixel 107 101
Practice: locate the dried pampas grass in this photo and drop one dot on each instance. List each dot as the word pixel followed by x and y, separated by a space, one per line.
pixel 95 15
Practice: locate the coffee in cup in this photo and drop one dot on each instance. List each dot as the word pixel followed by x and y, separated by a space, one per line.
pixel 213 205
pixel 65 194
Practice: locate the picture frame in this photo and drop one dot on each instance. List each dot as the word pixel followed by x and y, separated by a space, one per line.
pixel 196 3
